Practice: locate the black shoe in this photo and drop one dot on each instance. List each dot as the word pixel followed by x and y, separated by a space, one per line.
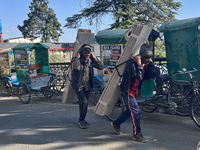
pixel 139 138
pixel 117 128
pixel 82 125
pixel 85 122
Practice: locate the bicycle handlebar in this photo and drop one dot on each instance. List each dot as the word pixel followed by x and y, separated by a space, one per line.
pixel 184 71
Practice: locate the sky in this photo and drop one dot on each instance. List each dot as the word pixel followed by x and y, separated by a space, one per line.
pixel 14 12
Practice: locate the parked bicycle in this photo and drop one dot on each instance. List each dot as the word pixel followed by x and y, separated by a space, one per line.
pixel 191 95
pixel 181 92
pixel 56 83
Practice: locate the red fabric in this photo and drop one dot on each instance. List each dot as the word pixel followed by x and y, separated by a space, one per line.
pixel 134 87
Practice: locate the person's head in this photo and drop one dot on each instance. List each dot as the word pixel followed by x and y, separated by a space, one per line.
pixel 146 53
pixel 85 51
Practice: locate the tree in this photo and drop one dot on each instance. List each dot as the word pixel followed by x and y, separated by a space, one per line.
pixel 127 12
pixel 159 49
pixel 41 21
pixel 55 58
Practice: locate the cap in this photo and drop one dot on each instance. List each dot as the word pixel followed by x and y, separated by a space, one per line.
pixel 85 47
pixel 145 51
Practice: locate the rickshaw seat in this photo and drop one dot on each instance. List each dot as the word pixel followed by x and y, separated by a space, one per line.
pixel 147 88
pixel 35 66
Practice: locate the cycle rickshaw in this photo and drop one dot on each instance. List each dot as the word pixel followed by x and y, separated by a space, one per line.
pixel 8 74
pixel 182 39
pixel 31 78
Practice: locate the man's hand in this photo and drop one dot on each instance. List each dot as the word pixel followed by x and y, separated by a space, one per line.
pixel 78 55
pixel 92 56
pixel 137 59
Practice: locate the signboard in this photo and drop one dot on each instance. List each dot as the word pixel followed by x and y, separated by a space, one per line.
pixel 21 60
pixel 4 62
pixel 111 54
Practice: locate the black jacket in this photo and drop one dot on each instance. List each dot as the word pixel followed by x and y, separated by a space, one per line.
pixel 77 75
pixel 134 71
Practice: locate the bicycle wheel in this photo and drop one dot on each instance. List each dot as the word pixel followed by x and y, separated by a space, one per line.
pixel 195 109
pixel 24 93
pixel 96 91
pixel 148 106
pixel 176 94
pixel 49 90
pixel 117 110
pixel 7 90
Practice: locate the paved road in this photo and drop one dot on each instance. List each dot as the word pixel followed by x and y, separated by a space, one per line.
pixel 47 124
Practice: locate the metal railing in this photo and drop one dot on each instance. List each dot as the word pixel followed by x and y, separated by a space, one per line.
pixel 59 66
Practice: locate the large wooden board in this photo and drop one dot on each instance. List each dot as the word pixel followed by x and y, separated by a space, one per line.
pixel 135 38
pixel 84 36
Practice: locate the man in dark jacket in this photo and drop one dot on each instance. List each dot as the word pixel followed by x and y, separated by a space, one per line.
pixel 82 80
pixel 138 68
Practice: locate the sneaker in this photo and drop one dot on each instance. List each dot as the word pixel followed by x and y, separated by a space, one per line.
pixel 85 122
pixel 139 138
pixel 117 128
pixel 82 125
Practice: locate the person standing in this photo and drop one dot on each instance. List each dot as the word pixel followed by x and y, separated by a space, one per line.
pixel 82 80
pixel 138 68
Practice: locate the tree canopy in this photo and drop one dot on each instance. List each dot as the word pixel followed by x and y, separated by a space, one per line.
pixel 126 13
pixel 41 21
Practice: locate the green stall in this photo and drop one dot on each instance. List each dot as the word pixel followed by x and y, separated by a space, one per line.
pixel 182 46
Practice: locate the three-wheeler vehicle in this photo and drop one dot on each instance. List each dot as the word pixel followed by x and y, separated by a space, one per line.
pixel 182 42
pixel 31 78
pixel 8 74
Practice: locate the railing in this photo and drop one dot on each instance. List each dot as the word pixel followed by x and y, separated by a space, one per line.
pixel 162 64
pixel 59 66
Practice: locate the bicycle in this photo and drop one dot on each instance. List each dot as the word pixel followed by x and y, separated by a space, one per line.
pixel 150 101
pixel 194 102
pixel 182 92
pixel 56 83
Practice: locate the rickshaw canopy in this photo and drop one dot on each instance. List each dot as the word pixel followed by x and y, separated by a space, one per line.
pixel 7 50
pixel 30 46
pixel 181 42
pixel 117 36
pixel 180 24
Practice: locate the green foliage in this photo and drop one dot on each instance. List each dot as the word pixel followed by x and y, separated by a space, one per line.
pixel 159 49
pixel 127 12
pixel 41 21
pixel 55 58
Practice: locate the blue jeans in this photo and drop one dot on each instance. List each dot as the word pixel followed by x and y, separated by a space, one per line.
pixel 132 110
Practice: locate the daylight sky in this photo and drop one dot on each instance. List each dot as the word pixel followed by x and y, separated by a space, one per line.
pixel 14 12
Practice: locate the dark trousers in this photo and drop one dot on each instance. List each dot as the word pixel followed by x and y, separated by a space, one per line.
pixel 83 97
pixel 133 111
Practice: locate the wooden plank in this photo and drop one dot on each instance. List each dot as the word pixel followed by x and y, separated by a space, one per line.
pixel 84 36
pixel 135 38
